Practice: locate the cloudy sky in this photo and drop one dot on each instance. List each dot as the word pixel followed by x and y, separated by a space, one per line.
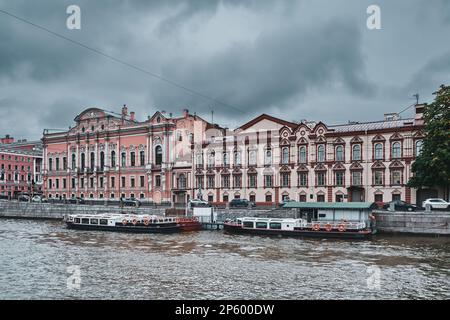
pixel 296 59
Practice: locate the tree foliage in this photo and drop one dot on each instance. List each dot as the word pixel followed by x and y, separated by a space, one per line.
pixel 432 166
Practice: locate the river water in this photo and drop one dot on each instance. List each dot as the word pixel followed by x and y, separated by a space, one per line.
pixel 44 260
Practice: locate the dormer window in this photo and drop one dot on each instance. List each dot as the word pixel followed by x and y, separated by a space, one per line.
pixel 158 119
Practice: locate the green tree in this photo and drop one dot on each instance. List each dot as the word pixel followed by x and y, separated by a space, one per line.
pixel 432 166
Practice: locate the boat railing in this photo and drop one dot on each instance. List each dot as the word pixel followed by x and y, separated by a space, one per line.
pixel 349 225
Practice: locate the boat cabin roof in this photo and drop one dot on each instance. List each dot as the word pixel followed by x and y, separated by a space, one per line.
pixel 330 205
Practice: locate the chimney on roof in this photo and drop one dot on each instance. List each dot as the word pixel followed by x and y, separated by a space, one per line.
pixel 420 109
pixel 185 113
pixel 132 115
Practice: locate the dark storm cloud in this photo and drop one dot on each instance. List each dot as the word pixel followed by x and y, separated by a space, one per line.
pixel 291 58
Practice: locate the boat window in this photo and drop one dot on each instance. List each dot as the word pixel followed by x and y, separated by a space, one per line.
pixel 77 220
pixel 85 220
pixel 248 224
pixel 261 225
pixel 322 215
pixel 275 225
pixel 94 221
pixel 104 221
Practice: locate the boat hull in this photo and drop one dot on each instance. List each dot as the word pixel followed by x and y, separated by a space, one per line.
pixel 128 228
pixel 364 234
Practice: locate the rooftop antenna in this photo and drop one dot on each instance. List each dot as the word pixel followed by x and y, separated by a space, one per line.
pixel 417 97
pixel 212 117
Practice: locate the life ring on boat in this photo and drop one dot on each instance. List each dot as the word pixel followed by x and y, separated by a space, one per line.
pixel 328 227
pixel 342 227
pixel 146 221
pixel 134 221
pixel 124 222
pixel 316 227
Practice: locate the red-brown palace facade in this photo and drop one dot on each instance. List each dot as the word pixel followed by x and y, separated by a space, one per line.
pixel 173 159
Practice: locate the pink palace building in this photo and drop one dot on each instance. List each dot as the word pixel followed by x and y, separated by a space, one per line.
pixel 108 156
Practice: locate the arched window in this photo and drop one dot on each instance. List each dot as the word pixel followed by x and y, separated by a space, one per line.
pixel 237 158
pixel 268 157
pixel 356 152
pixel 74 162
pixel 252 157
pixel 285 155
pixel 113 158
pixel 339 153
pixel 226 160
pixel 158 155
pixel 396 150
pixel 419 145
pixel 302 154
pixel 83 161
pixel 102 159
pixel 133 158
pixel 379 151
pixel 123 159
pixel 321 153
pixel 211 159
pixel 92 160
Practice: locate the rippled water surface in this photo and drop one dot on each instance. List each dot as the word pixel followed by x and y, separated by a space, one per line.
pixel 35 256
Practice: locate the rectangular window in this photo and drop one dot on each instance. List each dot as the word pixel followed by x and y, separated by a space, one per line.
pixel 268 181
pixel 320 179
pixel 199 181
pixel 158 181
pixel 211 182
pixel 73 183
pixel 396 197
pixel 320 198
pixel 339 178
pixel 57 164
pixel 113 182
pixel 225 181
pixel 64 183
pixel 303 179
pixel 123 159
pixel 64 163
pixel 210 198
pixel 285 179
pixel 248 224
pixel 396 177
pixel 91 182
pixel 141 181
pixel 50 182
pixel 101 182
pixel 378 198
pixel 268 198
pixel 225 198
pixel 237 181
pixel 82 182
pixel 123 182
pixel 252 180
pixel 378 178
pixel 261 225
pixel 339 198
pixel 132 183
pixel 356 178
pixel 275 225
pixel 253 198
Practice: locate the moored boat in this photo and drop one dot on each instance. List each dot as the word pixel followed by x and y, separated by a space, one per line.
pixel 189 223
pixel 134 223
pixel 298 228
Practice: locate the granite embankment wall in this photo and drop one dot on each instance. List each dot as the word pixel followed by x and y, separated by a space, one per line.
pixel 419 223
pixel 435 223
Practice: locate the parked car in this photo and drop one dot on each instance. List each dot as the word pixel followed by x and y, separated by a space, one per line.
pixel 38 198
pixel 436 203
pixel 78 200
pixel 24 198
pixel 400 205
pixel 198 203
pixel 241 203
pixel 129 202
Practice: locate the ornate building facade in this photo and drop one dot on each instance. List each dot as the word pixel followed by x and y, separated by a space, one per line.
pixel 108 156
pixel 171 160
pixel 268 160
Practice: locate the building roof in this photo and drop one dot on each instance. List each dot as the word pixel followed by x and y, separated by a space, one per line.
pixel 374 125
pixel 267 117
pixel 329 205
